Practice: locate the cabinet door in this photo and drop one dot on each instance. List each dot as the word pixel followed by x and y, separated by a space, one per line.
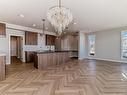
pixel 47 40
pixel 31 38
pixel 30 57
pixel 2 29
pixel 50 40
pixel 53 40
pixel 58 44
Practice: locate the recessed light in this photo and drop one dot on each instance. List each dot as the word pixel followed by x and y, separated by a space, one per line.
pixel 46 28
pixel 21 15
pixel 74 23
pixel 34 25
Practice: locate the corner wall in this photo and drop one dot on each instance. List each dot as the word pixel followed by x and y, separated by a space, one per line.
pixel 82 45
pixel 108 45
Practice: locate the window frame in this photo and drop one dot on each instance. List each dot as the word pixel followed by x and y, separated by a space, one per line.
pixel 121 46
pixel 89 45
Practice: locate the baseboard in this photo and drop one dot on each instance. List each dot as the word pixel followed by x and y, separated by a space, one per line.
pixel 7 63
pixel 80 58
pixel 107 60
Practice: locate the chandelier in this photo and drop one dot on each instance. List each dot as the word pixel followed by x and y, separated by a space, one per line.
pixel 60 17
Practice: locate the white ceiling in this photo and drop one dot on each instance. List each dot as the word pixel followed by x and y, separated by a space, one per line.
pixel 92 15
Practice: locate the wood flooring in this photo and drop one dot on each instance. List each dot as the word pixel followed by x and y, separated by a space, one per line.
pixel 87 77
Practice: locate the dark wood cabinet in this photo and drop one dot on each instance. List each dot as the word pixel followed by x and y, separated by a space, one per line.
pixel 36 61
pixel 2 67
pixel 50 40
pixel 2 29
pixel 29 56
pixel 44 60
pixel 31 38
pixel 58 44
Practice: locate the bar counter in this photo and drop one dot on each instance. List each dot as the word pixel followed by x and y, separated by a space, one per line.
pixel 44 59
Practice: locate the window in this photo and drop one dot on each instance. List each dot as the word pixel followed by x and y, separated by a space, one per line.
pixel 91 43
pixel 124 44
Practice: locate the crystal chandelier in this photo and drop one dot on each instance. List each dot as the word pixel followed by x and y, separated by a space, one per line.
pixel 60 17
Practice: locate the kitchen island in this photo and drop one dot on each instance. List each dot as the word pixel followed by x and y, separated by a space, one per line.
pixel 45 59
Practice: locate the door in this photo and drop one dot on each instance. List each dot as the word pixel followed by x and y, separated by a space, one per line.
pixel 20 48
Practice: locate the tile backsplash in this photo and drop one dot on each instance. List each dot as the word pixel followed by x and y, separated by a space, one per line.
pixel 37 48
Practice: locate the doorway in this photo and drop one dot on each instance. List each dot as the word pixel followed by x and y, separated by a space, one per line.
pixel 16 49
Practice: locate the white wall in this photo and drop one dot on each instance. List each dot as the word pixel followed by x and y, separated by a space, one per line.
pixel 82 45
pixel 108 44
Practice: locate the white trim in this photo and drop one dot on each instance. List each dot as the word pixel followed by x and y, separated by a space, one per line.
pixel 121 41
pixel 107 60
pixel 24 28
pixel 23 36
pixel 79 46
pixel 81 58
pixel 2 54
pixel 7 63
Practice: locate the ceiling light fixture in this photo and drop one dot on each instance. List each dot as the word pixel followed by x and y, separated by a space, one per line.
pixel 21 15
pixel 34 25
pixel 60 17
pixel 74 23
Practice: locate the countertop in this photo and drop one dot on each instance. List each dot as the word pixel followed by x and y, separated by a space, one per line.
pixel 39 52
pixel 2 54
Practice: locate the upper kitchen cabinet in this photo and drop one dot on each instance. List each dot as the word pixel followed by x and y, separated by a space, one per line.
pixel 2 29
pixel 50 40
pixel 31 38
pixel 70 42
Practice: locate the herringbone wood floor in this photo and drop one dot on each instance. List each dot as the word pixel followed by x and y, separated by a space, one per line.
pixel 88 77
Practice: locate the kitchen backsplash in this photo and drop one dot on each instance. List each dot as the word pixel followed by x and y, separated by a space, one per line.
pixel 37 48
